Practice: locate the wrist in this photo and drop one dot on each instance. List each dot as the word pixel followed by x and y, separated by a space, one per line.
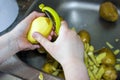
pixel 74 68
pixel 12 41
pixel 72 62
pixel 8 46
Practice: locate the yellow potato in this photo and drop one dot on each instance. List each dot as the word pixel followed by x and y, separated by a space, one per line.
pixel 42 25
pixel 84 35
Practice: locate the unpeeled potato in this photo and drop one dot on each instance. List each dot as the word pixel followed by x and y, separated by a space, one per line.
pixel 108 12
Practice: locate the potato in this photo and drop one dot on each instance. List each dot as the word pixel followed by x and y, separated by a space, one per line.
pixel 42 25
pixel 108 12
pixel 84 35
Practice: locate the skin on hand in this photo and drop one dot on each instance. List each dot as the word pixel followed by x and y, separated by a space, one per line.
pixel 16 40
pixel 68 45
pixel 68 50
pixel 19 33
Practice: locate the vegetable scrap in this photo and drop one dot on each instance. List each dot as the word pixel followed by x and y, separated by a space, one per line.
pixel 41 76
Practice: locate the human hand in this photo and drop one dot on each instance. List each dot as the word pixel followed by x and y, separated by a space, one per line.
pixel 66 48
pixel 19 33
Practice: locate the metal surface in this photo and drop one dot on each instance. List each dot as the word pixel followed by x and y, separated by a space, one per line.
pixel 48 15
pixel 16 67
pixel 81 14
pixel 4 76
pixel 84 14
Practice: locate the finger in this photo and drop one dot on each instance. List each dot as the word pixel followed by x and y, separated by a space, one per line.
pixel 43 41
pixel 35 47
pixel 64 23
pixel 64 26
pixel 33 15
pixel 28 20
pixel 49 37
pixel 52 33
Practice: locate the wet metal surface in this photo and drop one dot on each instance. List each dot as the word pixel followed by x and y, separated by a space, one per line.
pixel 81 14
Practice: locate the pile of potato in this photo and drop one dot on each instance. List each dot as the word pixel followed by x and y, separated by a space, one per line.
pixel 101 64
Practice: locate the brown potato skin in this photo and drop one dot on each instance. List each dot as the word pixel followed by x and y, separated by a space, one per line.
pixel 108 12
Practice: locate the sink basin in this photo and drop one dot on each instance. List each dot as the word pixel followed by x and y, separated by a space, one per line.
pixel 80 14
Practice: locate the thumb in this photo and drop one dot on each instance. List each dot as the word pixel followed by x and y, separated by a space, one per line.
pixel 42 40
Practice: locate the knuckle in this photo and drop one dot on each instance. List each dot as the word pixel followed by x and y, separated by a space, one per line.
pixel 34 12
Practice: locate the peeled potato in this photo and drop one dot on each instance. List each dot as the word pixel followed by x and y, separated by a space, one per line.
pixel 42 25
pixel 84 35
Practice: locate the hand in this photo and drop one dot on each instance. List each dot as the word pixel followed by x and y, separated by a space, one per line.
pixel 16 40
pixel 19 33
pixel 67 47
pixel 68 50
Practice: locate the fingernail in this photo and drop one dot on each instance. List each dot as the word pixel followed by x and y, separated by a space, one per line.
pixel 35 34
pixel 63 22
pixel 37 46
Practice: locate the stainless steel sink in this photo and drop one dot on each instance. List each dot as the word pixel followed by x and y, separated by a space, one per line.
pixel 84 14
pixel 81 14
